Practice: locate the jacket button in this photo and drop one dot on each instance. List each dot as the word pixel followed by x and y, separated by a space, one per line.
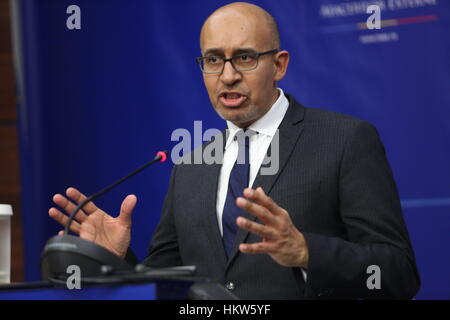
pixel 230 286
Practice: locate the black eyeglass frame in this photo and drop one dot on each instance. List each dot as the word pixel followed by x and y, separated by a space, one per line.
pixel 255 54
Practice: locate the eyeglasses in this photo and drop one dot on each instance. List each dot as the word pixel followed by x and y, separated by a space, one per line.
pixel 240 62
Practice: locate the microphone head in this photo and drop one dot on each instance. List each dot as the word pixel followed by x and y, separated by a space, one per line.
pixel 163 155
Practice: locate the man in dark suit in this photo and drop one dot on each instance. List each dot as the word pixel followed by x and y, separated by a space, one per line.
pixel 319 227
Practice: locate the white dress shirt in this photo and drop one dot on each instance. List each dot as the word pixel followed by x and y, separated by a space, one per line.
pixel 266 127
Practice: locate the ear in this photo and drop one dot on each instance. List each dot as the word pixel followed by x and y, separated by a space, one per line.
pixel 281 63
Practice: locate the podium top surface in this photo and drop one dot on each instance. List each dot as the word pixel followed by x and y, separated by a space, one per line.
pixel 46 291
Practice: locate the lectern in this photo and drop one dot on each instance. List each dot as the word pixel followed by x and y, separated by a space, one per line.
pixel 170 288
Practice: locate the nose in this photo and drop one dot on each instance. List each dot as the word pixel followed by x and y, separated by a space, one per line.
pixel 229 74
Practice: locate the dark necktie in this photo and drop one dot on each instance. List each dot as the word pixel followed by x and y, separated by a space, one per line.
pixel 238 181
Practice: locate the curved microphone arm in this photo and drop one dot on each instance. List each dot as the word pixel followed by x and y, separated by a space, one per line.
pixel 161 156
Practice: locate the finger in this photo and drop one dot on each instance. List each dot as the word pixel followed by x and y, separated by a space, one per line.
pixel 60 233
pixel 69 207
pixel 78 197
pixel 257 210
pixel 256 228
pixel 260 197
pixel 255 248
pixel 126 209
pixel 62 219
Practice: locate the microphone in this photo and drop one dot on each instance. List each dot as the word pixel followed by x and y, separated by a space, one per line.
pixel 65 250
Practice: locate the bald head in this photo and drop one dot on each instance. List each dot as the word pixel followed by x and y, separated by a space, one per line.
pixel 262 21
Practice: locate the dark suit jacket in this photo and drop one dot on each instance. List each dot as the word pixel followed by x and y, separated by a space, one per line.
pixel 336 184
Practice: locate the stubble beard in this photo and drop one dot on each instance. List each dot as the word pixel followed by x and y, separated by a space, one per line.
pixel 246 118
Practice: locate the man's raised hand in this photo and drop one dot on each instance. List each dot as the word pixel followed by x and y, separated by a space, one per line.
pixel 93 224
pixel 279 237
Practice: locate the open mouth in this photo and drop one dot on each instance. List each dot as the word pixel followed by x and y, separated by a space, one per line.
pixel 232 99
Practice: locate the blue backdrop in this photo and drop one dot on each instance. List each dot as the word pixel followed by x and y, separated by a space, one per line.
pixel 97 102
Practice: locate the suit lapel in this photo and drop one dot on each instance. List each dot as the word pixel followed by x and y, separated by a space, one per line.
pixel 210 185
pixel 289 132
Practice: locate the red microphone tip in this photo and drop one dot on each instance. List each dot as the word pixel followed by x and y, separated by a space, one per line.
pixel 163 156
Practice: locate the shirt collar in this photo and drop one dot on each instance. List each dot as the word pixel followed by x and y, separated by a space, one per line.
pixel 268 123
